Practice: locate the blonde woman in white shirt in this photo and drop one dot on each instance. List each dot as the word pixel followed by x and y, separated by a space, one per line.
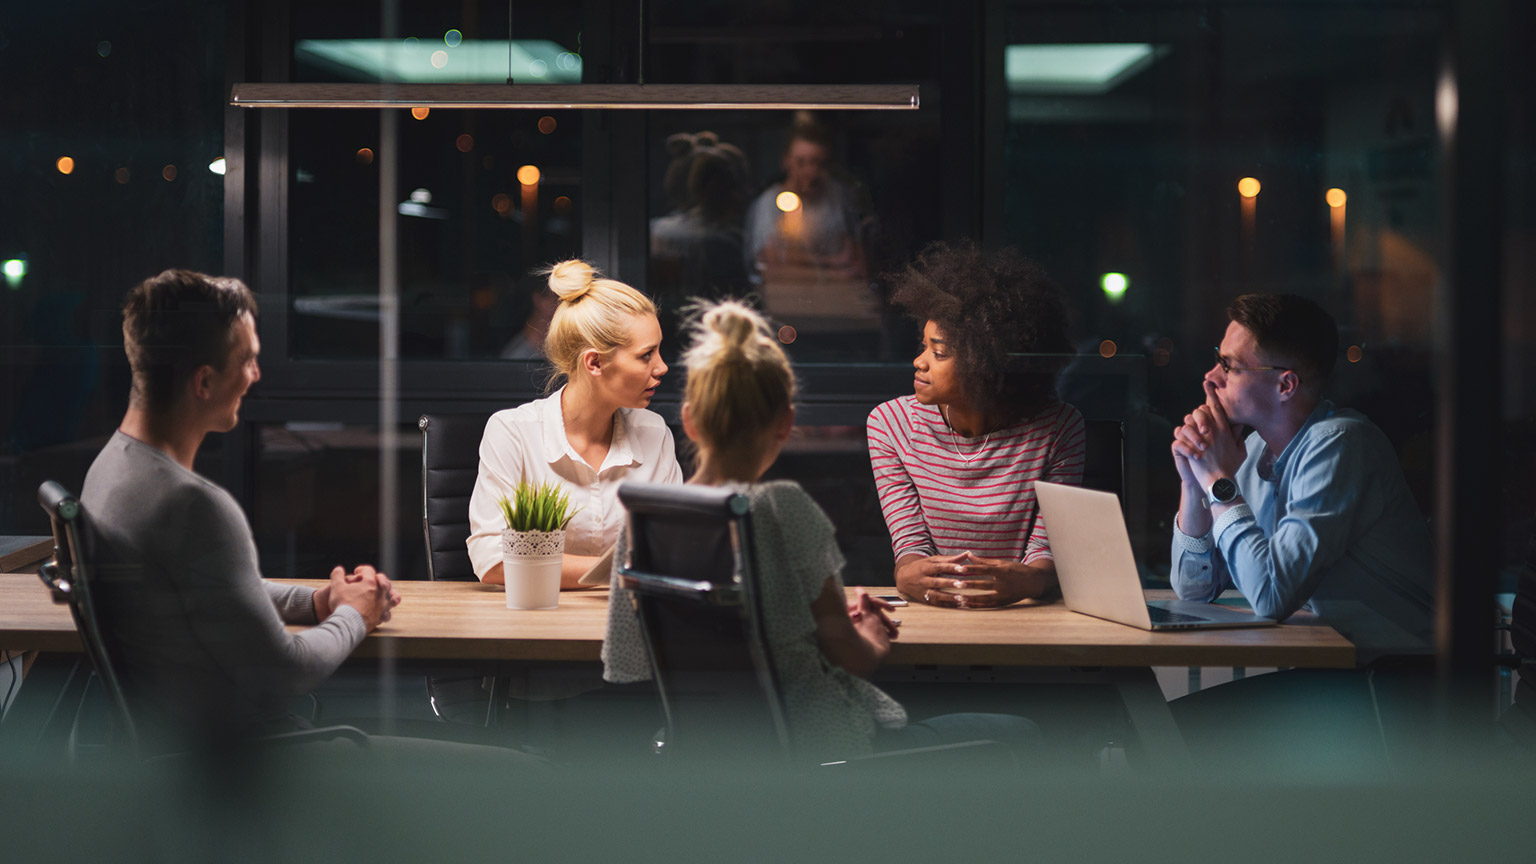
pixel 588 436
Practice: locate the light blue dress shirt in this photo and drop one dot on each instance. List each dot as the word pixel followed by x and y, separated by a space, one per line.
pixel 1329 526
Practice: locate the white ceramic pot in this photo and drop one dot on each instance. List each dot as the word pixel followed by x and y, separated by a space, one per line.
pixel 530 561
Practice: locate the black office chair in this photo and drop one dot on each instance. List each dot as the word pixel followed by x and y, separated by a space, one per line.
pixel 450 463
pixel 450 460
pixel 688 563
pixel 70 578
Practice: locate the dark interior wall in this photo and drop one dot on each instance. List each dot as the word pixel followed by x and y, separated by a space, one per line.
pixel 1140 180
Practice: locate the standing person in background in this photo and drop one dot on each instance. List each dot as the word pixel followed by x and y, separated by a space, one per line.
pixel 738 410
pixel 588 436
pixel 955 462
pixel 824 229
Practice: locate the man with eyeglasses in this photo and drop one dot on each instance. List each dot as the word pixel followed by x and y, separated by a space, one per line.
pixel 1297 503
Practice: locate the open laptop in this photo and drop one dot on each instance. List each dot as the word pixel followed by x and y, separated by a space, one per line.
pixel 1098 572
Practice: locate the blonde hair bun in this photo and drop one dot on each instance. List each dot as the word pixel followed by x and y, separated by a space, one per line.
pixel 571 280
pixel 732 326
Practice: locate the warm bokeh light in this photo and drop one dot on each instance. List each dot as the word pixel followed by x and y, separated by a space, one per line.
pixel 1248 187
pixel 122 175
pixel 1335 198
pixel 562 206
pixel 420 112
pixel 501 203
pixel 439 59
pixel 1161 356
pixel 465 142
pixel 217 165
pixel 528 175
pixel 65 165
pixel 789 202
pixel 787 334
pixel 1354 353
pixel 168 172
pixel 1114 285
pixel 546 124
pixel 1107 349
pixel 364 156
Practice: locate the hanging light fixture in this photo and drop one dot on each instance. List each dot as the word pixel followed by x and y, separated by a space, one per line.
pixel 701 97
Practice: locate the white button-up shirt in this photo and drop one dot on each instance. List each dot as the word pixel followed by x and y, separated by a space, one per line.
pixel 528 443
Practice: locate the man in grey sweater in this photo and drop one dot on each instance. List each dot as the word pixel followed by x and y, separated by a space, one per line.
pixel 199 633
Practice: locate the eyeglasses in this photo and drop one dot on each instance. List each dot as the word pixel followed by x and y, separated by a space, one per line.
pixel 1227 368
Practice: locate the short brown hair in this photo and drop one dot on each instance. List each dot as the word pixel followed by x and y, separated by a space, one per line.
pixel 176 323
pixel 1293 331
pixel 1001 315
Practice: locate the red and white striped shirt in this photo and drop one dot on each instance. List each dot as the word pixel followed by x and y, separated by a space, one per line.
pixel 943 494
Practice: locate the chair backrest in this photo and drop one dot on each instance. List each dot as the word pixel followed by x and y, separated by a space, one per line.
pixel 70 578
pixel 450 460
pixel 1522 619
pixel 689 564
pixel 1104 456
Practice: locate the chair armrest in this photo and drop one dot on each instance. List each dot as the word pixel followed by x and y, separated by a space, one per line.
pixel 323 733
pixel 980 753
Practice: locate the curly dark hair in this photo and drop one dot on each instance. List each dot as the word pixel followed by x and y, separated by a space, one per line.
pixel 999 312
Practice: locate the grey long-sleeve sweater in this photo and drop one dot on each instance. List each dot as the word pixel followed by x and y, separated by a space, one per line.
pixel 196 629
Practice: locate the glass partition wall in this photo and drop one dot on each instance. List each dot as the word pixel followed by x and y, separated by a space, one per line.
pixel 1158 158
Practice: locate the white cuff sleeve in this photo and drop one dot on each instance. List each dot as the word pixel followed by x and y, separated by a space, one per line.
pixel 1233 514
pixel 1193 545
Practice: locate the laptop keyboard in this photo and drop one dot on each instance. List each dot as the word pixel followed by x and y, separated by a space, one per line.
pixel 1166 616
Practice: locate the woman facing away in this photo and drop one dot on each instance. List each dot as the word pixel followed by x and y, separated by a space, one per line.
pixel 956 462
pixel 738 410
pixel 588 436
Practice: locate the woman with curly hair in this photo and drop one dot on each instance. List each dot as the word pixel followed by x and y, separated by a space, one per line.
pixel 956 462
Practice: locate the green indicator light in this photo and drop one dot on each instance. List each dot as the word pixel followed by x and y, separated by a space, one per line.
pixel 1114 285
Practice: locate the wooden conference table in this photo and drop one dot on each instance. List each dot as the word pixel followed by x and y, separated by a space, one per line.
pixel 466 620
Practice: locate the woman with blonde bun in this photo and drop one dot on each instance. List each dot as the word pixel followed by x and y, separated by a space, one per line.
pixel 738 410
pixel 588 436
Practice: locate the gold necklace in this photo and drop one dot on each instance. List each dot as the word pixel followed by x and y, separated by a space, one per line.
pixel 955 445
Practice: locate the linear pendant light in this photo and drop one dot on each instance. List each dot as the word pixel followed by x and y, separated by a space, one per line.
pixel 712 97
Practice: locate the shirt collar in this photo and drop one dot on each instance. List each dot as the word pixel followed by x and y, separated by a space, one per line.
pixel 557 446
pixel 1323 410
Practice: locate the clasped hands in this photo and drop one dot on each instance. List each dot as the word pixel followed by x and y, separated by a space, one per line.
pixel 936 580
pixel 364 589
pixel 1208 445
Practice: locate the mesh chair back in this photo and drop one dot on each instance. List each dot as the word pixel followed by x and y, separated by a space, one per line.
pixel 689 565
pixel 450 460
pixel 70 578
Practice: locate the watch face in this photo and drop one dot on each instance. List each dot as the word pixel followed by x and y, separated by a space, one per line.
pixel 1223 490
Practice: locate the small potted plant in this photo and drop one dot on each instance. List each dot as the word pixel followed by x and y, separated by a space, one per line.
pixel 533 544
